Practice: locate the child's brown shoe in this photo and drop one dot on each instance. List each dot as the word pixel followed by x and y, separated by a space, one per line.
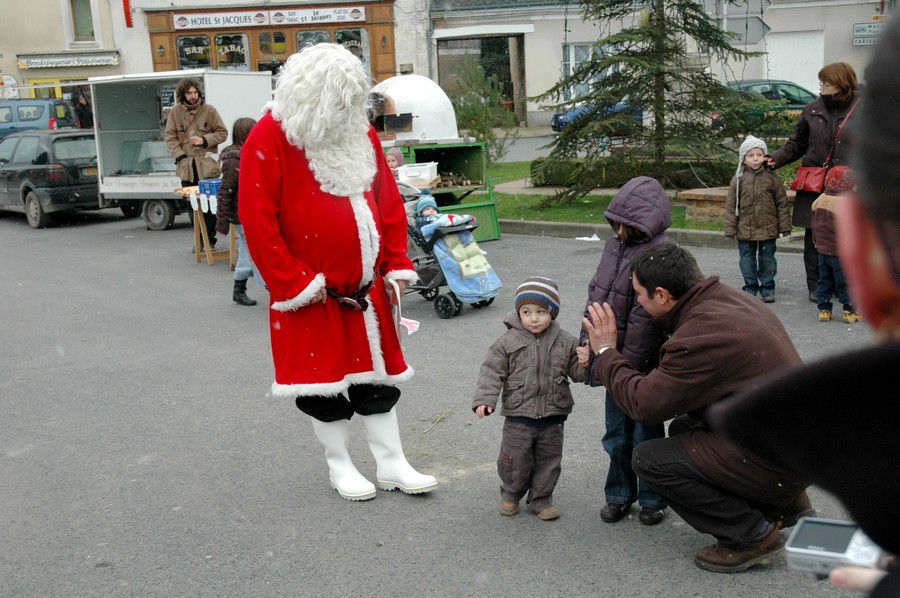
pixel 508 508
pixel 548 514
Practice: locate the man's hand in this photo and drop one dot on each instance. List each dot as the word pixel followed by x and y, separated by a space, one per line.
pixel 483 410
pixel 601 327
pixel 858 579
pixel 584 355
pixel 402 284
pixel 195 140
pixel 322 295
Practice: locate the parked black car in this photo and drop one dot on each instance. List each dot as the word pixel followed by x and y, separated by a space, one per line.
pixel 49 171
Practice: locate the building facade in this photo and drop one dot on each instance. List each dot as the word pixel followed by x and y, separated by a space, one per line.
pixel 530 43
pixel 242 35
pixel 47 44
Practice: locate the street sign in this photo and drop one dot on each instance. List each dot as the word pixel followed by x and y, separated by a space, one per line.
pixel 866 41
pixel 749 30
pixel 867 29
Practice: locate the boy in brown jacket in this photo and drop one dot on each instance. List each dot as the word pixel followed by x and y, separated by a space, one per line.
pixel 531 366
pixel 756 213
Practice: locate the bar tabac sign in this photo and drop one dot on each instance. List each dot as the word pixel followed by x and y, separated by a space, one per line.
pixel 222 20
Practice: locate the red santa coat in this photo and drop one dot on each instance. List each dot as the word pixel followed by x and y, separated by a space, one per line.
pixel 301 239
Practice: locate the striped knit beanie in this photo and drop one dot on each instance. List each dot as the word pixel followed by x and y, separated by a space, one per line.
pixel 540 291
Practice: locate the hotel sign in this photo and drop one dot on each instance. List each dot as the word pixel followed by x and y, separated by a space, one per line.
pixel 222 20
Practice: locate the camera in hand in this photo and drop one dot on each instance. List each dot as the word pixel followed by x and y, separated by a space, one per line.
pixel 817 545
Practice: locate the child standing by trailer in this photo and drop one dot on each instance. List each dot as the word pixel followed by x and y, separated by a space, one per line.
pixel 530 366
pixel 756 213
pixel 227 212
pixel 639 215
pixel 832 282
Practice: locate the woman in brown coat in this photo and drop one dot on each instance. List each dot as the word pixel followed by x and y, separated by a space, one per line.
pixel 813 139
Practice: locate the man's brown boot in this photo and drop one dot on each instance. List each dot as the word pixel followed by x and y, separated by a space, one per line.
pixel 722 559
pixel 508 508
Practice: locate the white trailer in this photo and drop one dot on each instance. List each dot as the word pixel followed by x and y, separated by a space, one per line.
pixel 136 171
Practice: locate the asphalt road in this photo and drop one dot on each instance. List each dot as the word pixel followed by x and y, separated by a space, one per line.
pixel 528 148
pixel 141 455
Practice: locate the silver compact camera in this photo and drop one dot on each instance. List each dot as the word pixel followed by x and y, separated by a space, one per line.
pixel 817 545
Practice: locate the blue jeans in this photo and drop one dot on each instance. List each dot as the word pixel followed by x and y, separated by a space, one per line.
pixel 758 266
pixel 245 268
pixel 832 282
pixel 622 435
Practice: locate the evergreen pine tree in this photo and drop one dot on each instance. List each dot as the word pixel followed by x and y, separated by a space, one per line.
pixel 652 67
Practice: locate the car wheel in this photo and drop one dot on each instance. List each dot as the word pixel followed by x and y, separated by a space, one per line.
pixel 159 214
pixel 37 217
pixel 444 307
pixel 131 210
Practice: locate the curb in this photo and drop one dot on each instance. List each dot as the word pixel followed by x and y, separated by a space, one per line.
pixel 691 238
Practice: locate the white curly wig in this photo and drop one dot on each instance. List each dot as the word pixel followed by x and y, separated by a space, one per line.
pixel 320 101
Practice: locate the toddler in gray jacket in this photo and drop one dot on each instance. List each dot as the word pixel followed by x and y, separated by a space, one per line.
pixel 530 366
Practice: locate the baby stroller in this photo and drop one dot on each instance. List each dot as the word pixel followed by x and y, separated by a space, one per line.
pixel 443 261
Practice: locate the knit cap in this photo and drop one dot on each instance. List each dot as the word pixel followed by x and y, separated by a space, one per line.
pixel 397 153
pixel 424 202
pixel 540 291
pixel 749 143
pixel 839 179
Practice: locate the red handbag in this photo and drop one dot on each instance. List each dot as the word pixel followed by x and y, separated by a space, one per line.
pixel 812 178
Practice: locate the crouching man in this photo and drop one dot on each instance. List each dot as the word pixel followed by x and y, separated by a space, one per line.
pixel 720 341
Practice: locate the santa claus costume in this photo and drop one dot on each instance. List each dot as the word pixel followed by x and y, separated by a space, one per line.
pixel 326 227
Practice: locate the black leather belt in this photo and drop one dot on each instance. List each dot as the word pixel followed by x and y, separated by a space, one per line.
pixel 357 301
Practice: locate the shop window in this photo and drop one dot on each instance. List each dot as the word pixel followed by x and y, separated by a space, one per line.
pixel 27 113
pixel 193 51
pixel 311 38
pixel 231 52
pixel 272 50
pixel 82 20
pixel 357 41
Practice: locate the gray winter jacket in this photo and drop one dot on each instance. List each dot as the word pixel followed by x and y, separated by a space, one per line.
pixel 531 372
pixel 641 204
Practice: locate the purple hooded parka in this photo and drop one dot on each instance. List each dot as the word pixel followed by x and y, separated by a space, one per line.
pixel 643 205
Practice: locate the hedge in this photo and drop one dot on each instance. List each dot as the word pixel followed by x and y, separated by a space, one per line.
pixel 678 173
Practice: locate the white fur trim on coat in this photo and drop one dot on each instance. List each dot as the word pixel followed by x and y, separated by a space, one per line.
pixel 407 275
pixel 330 389
pixel 369 240
pixel 305 296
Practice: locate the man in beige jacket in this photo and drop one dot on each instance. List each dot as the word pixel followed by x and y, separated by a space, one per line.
pixel 194 130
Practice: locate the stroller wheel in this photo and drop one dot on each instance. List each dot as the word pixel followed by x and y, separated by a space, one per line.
pixel 429 294
pixel 457 304
pixel 444 307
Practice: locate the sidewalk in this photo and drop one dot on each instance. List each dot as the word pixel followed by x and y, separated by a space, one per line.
pixel 540 228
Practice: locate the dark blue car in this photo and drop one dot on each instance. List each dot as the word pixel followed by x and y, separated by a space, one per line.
pixel 562 119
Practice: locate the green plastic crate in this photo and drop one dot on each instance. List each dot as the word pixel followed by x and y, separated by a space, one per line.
pixel 485 213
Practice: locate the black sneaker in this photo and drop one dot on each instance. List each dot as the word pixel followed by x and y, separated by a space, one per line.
pixel 651 516
pixel 613 512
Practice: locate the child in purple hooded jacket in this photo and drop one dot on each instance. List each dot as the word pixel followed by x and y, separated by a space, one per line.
pixel 639 215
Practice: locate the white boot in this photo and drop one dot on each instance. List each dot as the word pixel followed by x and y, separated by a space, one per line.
pixel 393 471
pixel 344 476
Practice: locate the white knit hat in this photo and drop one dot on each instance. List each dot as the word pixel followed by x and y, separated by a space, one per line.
pixel 749 143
